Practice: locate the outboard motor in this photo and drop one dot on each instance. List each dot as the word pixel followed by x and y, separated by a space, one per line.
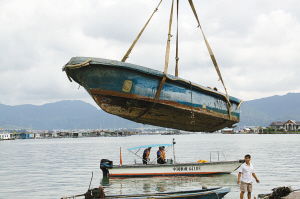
pixel 106 164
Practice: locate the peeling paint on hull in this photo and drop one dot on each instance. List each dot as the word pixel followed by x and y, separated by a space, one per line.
pixel 128 91
pixel 162 114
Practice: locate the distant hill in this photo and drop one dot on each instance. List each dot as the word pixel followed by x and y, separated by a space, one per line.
pixel 80 115
pixel 60 115
pixel 261 112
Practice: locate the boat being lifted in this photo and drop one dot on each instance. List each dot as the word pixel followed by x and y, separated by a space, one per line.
pixel 170 168
pixel 152 97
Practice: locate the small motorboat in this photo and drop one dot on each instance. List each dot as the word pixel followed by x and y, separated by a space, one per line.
pixel 213 193
pixel 170 168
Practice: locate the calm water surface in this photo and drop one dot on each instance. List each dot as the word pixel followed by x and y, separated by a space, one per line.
pixel 54 168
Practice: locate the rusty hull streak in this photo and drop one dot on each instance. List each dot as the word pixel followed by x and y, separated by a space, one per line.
pixel 165 102
pixel 178 115
pixel 179 119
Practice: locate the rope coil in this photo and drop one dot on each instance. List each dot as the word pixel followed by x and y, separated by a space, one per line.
pixel 75 66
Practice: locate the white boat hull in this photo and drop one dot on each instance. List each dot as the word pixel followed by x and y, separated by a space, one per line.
pixel 185 169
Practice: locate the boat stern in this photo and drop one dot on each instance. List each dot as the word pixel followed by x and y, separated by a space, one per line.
pixel 105 165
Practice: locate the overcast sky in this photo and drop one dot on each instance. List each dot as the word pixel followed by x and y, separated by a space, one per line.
pixel 256 43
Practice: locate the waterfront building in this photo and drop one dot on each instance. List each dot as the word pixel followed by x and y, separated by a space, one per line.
pixel 289 125
pixel 26 136
pixel 5 136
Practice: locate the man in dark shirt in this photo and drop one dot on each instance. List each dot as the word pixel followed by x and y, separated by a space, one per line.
pixel 146 155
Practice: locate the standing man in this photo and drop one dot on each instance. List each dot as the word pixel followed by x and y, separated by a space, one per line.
pixel 246 172
pixel 146 155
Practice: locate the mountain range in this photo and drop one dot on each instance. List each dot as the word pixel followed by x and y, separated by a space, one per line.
pixel 69 114
pixel 261 112
pixel 75 114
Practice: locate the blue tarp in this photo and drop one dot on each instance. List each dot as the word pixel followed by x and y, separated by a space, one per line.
pixel 147 146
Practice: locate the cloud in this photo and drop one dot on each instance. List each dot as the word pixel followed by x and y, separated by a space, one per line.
pixel 256 43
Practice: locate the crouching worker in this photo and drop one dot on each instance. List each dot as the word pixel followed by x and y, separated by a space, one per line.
pixel 245 177
pixel 161 155
pixel 146 155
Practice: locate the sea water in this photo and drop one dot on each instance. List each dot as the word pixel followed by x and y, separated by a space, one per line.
pixel 52 168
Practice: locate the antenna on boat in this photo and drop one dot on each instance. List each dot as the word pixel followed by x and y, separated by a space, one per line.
pixel 173 143
pixel 91 180
pixel 121 159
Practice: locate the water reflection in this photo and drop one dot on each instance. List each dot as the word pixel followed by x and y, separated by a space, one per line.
pixel 164 184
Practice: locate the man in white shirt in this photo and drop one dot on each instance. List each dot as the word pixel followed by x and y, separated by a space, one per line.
pixel 246 172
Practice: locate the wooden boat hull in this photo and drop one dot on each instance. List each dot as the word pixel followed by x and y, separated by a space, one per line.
pixel 189 169
pixel 128 91
pixel 215 193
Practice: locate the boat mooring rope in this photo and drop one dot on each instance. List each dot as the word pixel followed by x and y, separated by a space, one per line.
pixel 216 194
pixel 75 66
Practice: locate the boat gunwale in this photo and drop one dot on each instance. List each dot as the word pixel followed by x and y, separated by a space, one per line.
pixel 173 165
pixel 142 69
pixel 152 175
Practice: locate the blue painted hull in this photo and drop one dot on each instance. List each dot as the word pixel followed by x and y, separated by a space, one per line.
pixel 129 90
pixel 215 193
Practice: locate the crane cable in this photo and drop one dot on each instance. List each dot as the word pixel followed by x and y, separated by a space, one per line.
pixel 140 34
pixel 167 59
pixel 167 56
pixel 177 44
pixel 212 56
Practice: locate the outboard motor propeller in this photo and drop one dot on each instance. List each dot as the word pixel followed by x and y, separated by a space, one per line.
pixel 105 164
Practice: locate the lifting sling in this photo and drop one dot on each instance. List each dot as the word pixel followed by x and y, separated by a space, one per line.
pixel 212 56
pixel 167 54
pixel 140 34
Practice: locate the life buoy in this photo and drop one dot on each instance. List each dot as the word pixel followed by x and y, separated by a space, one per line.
pixel 202 161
